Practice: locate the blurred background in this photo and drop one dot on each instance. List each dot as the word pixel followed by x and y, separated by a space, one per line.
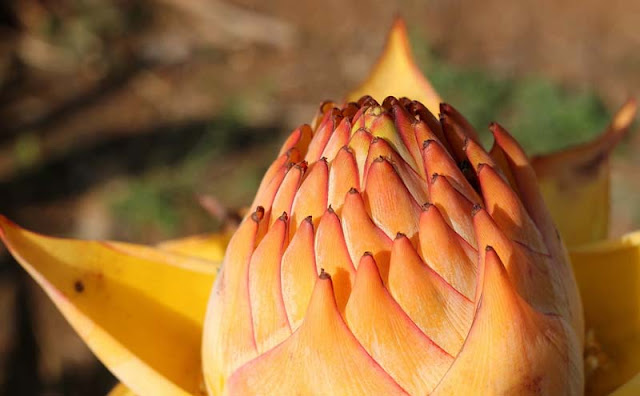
pixel 115 116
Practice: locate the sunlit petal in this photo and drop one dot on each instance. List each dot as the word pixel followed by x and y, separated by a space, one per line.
pixel 207 246
pixel 576 182
pixel 131 304
pixel 121 390
pixel 396 73
pixel 608 275
pixel 631 388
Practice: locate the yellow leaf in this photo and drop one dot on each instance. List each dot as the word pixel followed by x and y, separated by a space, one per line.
pixel 397 74
pixel 575 182
pixel 121 390
pixel 631 388
pixel 608 275
pixel 139 309
pixel 208 246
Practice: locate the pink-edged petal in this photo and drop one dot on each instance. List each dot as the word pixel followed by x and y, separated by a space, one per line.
pixel 507 210
pixel 439 310
pixel 229 343
pixel 390 336
pixel 270 322
pixel 513 349
pixel 446 252
pixel 286 192
pixel 414 182
pixel 299 273
pixel 333 257
pixel 321 358
pixel 338 139
pixel 343 175
pixel 390 203
pixel 454 207
pixel 312 196
pixel 362 235
pixel 438 161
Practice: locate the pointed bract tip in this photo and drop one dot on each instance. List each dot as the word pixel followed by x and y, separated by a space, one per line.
pixel 426 206
pixel 400 235
pixel 625 115
pixel 494 127
pixel 396 74
pixel 258 214
pixel 326 106
pixel 346 147
pixel 330 209
pixel 353 190
pixel 308 219
pixel 488 248
pixel 284 217
pixel 367 253
pixel 3 221
pixel 302 166
pixel 290 154
pixel 427 143
pixel 476 208
pixel 445 108
pixel 465 144
pixel 434 177
pixel 389 102
pixel 481 166
pixel 368 101
pixel 398 22
pixel 324 275
pixel 350 110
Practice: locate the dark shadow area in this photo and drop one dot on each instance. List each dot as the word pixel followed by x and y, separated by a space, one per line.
pixel 118 79
pixel 132 154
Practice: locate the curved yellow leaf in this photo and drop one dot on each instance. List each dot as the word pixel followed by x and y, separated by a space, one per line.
pixel 397 74
pixel 139 309
pixel 575 182
pixel 121 390
pixel 207 246
pixel 608 275
pixel 631 388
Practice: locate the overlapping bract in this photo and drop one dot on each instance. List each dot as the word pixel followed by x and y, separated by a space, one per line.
pixel 388 253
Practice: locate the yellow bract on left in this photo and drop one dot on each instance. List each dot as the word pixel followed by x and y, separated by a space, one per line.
pixel 139 309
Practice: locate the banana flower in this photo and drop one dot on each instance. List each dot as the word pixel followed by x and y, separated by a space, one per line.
pixel 386 252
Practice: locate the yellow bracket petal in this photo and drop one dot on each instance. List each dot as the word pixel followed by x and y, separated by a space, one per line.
pixel 121 390
pixel 139 309
pixel 631 388
pixel 608 275
pixel 397 74
pixel 207 247
pixel 575 182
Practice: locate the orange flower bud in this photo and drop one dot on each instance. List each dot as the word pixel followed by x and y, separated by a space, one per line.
pixel 391 254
